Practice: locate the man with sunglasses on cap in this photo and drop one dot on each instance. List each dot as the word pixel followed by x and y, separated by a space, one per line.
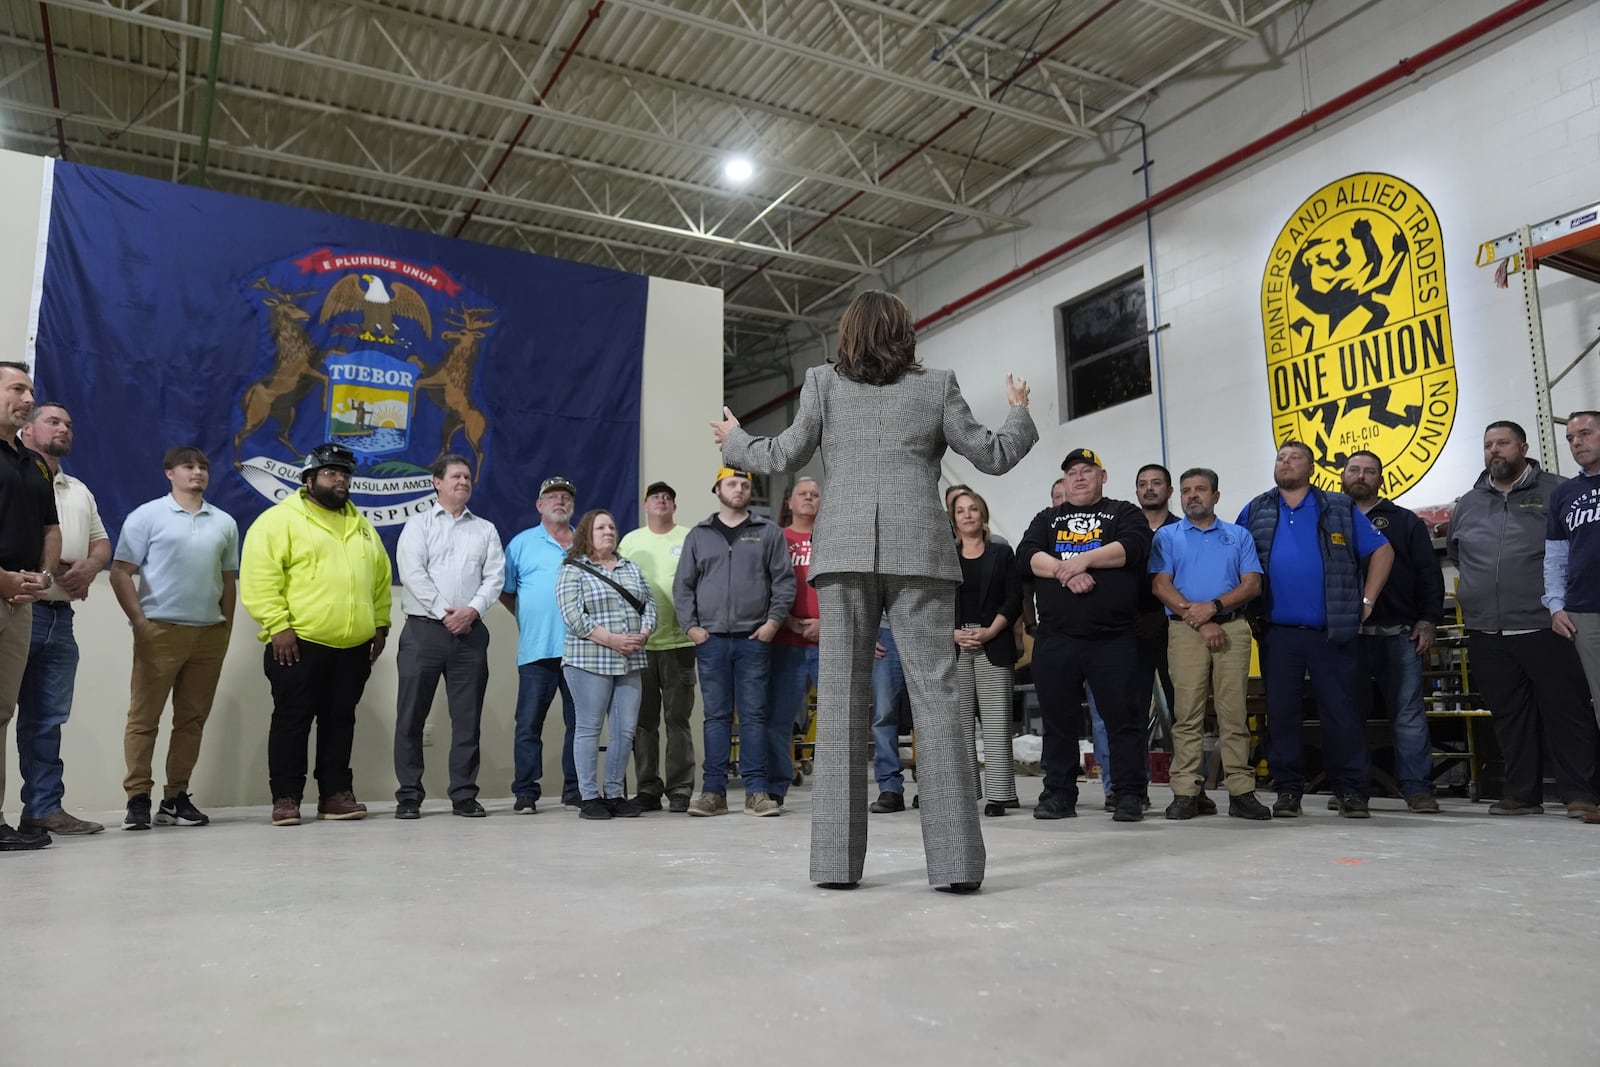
pixel 668 697
pixel 316 577
pixel 533 563
pixel 733 591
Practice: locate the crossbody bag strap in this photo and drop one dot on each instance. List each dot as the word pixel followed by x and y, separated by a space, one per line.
pixel 638 605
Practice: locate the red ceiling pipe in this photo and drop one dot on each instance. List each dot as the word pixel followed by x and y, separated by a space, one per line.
pixel 516 138
pixel 50 65
pixel 1403 69
pixel 920 147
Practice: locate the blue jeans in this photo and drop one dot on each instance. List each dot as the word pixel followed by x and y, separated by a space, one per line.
pixel 599 696
pixel 733 673
pixel 888 686
pixel 792 672
pixel 537 683
pixel 1102 746
pixel 1394 663
pixel 43 704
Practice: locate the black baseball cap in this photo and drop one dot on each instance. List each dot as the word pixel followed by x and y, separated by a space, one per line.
pixel 660 487
pixel 1082 455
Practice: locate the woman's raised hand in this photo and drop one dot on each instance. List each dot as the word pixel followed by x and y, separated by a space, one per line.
pixel 1017 391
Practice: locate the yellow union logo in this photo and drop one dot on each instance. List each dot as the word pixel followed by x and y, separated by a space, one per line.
pixel 1356 320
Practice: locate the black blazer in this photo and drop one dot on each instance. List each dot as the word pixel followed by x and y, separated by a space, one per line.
pixel 999 593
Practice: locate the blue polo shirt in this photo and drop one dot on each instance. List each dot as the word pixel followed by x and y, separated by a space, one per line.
pixel 1294 573
pixel 533 564
pixel 181 559
pixel 1204 564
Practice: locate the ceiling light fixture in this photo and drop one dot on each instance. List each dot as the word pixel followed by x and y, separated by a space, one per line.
pixel 738 169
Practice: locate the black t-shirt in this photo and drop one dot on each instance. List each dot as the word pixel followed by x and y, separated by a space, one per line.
pixel 729 533
pixel 1113 604
pixel 1148 604
pixel 971 586
pixel 27 506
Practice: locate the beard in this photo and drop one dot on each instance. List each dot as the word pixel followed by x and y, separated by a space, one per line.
pixel 57 450
pixel 331 498
pixel 1360 492
pixel 1503 471
pixel 1284 481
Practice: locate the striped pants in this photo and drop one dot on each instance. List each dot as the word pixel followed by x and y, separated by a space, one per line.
pixel 986 692
pixel 919 610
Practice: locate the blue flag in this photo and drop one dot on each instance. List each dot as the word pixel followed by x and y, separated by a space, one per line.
pixel 255 331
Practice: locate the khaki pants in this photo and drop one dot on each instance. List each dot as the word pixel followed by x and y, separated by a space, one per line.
pixel 16 632
pixel 185 662
pixel 1197 672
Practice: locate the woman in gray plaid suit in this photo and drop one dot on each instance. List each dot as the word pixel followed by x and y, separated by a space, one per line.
pixel 882 540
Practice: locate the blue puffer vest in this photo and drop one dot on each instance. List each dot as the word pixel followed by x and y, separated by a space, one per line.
pixel 1341 567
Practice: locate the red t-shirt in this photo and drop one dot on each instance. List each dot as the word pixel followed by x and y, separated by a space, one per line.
pixel 805 597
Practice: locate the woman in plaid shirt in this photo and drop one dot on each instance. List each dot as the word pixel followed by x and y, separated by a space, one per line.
pixel 603 657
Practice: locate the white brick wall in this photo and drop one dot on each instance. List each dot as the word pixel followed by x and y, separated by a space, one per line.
pixel 1506 135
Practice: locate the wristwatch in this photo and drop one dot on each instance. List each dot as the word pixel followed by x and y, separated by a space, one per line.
pixel 1217 603
pixel 1367 601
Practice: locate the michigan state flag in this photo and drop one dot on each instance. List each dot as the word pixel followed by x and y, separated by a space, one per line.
pixel 172 315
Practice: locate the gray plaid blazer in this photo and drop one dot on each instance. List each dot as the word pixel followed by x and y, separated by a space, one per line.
pixel 881 446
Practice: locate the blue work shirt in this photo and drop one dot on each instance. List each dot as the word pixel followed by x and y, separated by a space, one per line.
pixel 533 564
pixel 181 559
pixel 1294 571
pixel 1204 564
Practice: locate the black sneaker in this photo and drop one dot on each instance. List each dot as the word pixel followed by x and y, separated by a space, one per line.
pixel 622 807
pixel 593 809
pixel 180 811
pixel 574 801
pixel 1287 806
pixel 138 816
pixel 1353 806
pixel 1183 808
pixel 1130 809
pixel 1204 804
pixel 408 809
pixel 647 802
pixel 1054 807
pixel 526 805
pixel 678 803
pixel 1247 806
pixel 1111 802
pixel 1333 802
pixel 12 840
pixel 468 809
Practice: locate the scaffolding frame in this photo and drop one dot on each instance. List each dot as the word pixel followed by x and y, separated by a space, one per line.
pixel 1570 243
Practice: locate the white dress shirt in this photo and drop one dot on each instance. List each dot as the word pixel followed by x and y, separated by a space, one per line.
pixel 447 562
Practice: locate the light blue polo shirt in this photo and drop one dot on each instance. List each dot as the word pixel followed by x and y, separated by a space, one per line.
pixel 1204 564
pixel 533 564
pixel 1295 569
pixel 181 558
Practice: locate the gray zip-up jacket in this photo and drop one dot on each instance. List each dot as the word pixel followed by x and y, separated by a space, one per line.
pixel 1497 543
pixel 733 589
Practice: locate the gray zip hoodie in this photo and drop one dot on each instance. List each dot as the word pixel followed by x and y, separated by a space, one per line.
pixel 733 589
pixel 1497 543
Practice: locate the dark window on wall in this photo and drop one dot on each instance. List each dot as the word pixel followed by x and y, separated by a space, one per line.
pixel 1105 347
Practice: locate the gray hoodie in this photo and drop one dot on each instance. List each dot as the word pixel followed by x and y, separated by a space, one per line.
pixel 1497 543
pixel 733 589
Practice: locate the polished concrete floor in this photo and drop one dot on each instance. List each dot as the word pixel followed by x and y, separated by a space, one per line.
pixel 1452 939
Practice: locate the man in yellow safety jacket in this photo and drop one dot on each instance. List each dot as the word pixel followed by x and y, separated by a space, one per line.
pixel 316 577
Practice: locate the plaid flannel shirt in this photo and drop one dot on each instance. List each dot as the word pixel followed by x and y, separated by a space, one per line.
pixel 587 602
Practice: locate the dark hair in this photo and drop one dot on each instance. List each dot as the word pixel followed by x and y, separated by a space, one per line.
pixel 1584 415
pixel 1506 424
pixel 983 508
pixel 956 489
pixel 178 455
pixel 1311 457
pixel 1152 467
pixel 1370 455
pixel 446 461
pixel 877 343
pixel 583 536
pixel 14 365
pixel 34 414
pixel 1200 472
